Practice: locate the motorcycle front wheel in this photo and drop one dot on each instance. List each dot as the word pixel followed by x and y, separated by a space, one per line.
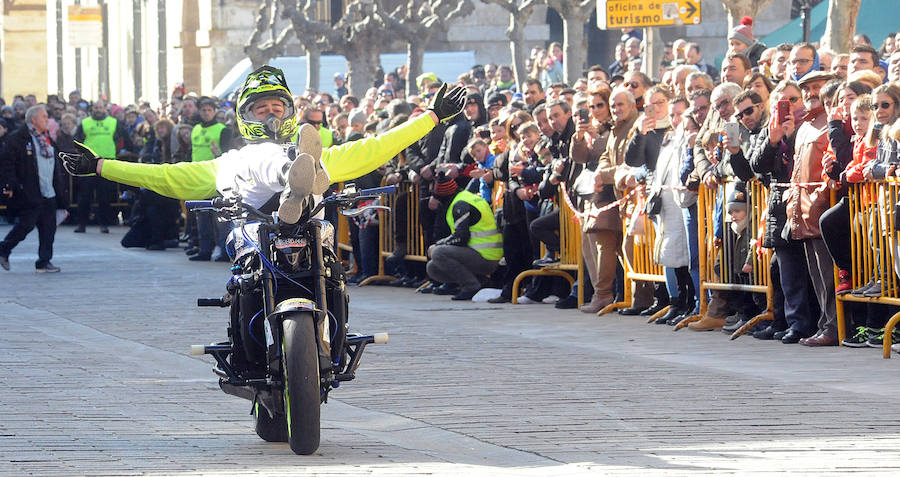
pixel 300 362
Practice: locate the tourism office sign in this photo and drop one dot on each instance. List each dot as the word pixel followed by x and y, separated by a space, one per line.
pixel 613 14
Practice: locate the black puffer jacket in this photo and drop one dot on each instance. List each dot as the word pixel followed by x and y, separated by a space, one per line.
pixel 774 164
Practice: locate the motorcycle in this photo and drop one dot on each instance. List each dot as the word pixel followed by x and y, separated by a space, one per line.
pixel 288 341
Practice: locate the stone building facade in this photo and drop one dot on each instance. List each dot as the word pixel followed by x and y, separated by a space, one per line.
pixel 153 44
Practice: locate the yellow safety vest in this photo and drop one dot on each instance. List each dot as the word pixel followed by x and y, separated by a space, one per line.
pixel 100 136
pixel 483 236
pixel 202 138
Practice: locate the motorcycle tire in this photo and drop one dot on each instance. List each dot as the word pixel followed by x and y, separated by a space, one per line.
pixel 270 429
pixel 300 360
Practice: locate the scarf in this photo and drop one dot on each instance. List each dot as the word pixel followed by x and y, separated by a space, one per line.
pixel 814 67
pixel 43 141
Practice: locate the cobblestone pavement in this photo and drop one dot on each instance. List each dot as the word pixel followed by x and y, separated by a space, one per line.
pixel 97 380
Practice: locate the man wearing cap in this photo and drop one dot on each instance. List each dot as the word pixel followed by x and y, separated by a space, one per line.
pixel 474 246
pixel 803 253
pixel 475 111
pixel 494 104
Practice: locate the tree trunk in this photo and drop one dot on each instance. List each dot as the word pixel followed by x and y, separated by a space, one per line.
pixel 840 25
pixel 415 57
pixel 574 49
pixel 737 9
pixel 361 65
pixel 313 67
pixel 652 52
pixel 517 49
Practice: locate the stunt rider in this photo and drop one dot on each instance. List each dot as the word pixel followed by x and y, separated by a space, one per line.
pixel 270 163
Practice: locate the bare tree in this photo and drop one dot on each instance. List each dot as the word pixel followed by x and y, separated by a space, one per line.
pixel 266 42
pixel 416 22
pixel 358 35
pixel 575 14
pixel 519 13
pixel 840 25
pixel 738 9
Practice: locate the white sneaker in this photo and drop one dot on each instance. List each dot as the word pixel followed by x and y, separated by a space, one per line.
pixel 299 181
pixel 896 347
pixel 524 300
pixel 309 142
pixel 550 300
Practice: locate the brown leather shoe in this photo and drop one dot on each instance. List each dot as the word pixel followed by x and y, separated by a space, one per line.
pixel 821 339
pixel 707 323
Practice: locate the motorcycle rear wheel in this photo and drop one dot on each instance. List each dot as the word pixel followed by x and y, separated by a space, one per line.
pixel 300 362
pixel 270 429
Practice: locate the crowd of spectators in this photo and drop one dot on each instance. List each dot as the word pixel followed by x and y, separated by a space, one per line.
pixel 799 118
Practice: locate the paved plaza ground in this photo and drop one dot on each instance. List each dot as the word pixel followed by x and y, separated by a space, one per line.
pixel 97 380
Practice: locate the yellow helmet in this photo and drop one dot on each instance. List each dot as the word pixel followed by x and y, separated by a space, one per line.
pixel 265 82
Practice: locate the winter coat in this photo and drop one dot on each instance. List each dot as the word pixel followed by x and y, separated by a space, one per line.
pixel 19 172
pixel 738 164
pixel 774 162
pixel 805 205
pixel 671 247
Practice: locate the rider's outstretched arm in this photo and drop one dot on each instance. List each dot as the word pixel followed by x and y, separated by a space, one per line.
pixel 358 158
pixel 184 180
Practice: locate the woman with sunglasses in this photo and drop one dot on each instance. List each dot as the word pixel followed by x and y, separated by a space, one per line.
pixel 592 131
pixel 654 153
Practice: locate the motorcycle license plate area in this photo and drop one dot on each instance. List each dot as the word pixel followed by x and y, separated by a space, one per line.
pixel 290 243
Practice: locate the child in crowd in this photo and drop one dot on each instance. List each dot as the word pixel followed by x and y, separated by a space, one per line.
pixel 742 254
pixel 481 174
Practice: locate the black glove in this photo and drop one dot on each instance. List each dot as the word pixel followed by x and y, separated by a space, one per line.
pixel 447 105
pixel 83 163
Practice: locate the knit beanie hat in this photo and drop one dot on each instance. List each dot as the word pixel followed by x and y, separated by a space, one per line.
pixel 743 32
pixel 737 200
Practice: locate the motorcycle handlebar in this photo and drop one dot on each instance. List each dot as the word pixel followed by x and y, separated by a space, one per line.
pixel 197 204
pixel 378 190
pixel 214 203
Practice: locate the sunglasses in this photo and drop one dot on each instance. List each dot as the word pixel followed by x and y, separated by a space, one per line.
pixel 597 106
pixel 794 99
pixel 746 112
pixel 314 123
pixel 633 85
pixel 883 105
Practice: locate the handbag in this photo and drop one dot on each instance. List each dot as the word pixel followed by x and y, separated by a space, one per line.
pixel 653 206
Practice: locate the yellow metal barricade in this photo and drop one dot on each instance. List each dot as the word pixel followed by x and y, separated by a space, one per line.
pixel 712 252
pixel 569 251
pixel 639 265
pixel 874 250
pixel 415 239
pixel 497 192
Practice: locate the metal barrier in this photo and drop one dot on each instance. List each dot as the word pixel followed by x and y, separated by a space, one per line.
pixel 569 251
pixel 415 240
pixel 345 245
pixel 638 264
pixel 497 193
pixel 874 249
pixel 712 254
